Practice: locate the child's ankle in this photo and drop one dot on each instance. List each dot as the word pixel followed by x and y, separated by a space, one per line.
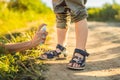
pixel 79 55
pixel 60 48
pixel 77 52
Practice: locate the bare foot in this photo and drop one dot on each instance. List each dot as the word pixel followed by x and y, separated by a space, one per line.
pixel 75 65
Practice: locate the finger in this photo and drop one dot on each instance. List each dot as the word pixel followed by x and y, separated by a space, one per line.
pixel 43 33
pixel 44 39
pixel 46 33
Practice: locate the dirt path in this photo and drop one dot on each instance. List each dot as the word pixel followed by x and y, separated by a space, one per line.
pixel 104 60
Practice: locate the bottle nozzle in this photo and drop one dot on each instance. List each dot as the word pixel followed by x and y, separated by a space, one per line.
pixel 44 28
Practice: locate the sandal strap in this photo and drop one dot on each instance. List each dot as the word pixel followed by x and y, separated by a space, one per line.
pixel 51 54
pixel 84 53
pixel 60 47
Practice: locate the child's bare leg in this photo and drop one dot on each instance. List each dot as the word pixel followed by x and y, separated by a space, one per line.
pixel 61 37
pixel 81 30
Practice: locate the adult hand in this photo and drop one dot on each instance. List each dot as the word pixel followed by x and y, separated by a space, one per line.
pixel 40 35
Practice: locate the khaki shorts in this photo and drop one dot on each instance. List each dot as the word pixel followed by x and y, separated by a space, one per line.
pixel 75 8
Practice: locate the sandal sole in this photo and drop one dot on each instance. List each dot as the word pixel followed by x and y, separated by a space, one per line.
pixel 72 68
pixel 51 58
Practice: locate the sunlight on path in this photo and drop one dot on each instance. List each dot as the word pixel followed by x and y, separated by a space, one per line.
pixel 102 64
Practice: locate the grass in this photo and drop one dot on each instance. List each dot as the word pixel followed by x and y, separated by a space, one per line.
pixel 24 21
pixel 27 63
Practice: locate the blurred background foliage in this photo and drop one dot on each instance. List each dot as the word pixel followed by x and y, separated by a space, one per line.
pixel 108 12
pixel 18 14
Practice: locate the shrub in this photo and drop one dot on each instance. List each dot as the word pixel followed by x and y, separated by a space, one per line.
pixel 109 12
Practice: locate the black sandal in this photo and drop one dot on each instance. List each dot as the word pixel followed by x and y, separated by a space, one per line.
pixel 54 54
pixel 78 60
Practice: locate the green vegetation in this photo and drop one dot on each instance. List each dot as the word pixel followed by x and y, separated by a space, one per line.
pixel 18 22
pixel 18 14
pixel 109 12
pixel 22 65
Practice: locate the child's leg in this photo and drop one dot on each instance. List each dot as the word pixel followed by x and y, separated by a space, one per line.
pixel 61 36
pixel 81 30
pixel 78 16
pixel 61 19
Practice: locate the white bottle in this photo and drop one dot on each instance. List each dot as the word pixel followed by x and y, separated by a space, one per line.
pixel 44 30
pixel 44 27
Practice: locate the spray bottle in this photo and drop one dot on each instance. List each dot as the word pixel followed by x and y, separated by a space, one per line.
pixel 44 30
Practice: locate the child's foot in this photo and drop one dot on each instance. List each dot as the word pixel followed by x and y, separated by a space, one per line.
pixel 78 60
pixel 53 53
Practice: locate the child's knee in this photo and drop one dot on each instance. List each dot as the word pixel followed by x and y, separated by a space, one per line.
pixel 61 20
pixel 79 15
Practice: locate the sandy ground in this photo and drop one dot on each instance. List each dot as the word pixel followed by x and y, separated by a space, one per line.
pixel 104 61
